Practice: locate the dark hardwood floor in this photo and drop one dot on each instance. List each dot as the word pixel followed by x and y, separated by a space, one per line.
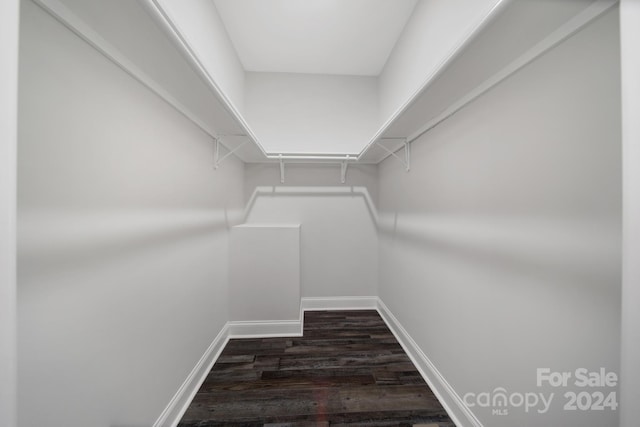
pixel 347 369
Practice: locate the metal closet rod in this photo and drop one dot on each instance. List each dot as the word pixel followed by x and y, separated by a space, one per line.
pixel 325 157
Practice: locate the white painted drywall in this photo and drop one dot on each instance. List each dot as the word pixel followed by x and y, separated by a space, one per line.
pixel 264 272
pixel 500 250
pixel 338 237
pixel 9 19
pixel 122 238
pixel 310 113
pixel 434 31
pixel 200 24
pixel 630 351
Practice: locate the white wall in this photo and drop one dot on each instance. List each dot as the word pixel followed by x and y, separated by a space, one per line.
pixel 630 369
pixel 122 238
pixel 309 113
pixel 434 31
pixel 338 237
pixel 200 24
pixel 9 11
pixel 264 272
pixel 500 250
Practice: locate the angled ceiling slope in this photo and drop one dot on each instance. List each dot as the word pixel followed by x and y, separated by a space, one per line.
pixel 263 106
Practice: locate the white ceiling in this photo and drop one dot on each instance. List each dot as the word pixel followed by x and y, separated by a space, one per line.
pixel 348 37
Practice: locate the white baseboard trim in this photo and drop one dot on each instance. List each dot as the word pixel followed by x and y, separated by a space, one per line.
pixel 265 329
pixel 460 414
pixel 176 408
pixel 339 303
pixel 172 414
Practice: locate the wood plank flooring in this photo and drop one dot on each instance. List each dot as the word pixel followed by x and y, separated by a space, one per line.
pixel 347 369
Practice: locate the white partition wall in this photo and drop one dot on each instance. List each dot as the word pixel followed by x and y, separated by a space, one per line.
pixel 264 272
pixel 630 369
pixel 9 19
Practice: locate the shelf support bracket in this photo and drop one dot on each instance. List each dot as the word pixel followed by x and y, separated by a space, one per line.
pixel 406 162
pixel 407 155
pixel 281 169
pixel 216 154
pixel 343 170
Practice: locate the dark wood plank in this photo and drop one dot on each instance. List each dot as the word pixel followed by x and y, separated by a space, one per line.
pixel 347 369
